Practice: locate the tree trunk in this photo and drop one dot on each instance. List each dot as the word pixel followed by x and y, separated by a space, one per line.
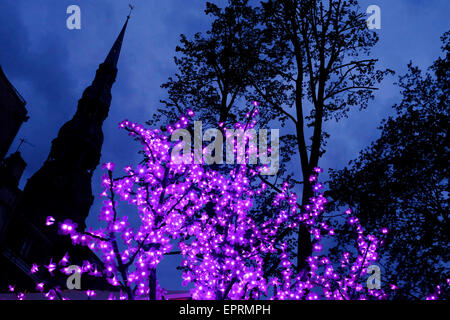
pixel 152 284
pixel 304 247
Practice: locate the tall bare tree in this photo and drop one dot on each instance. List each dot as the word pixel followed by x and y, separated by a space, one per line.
pixel 305 61
pixel 320 69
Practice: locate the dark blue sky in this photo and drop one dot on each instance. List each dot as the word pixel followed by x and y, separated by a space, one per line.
pixel 51 65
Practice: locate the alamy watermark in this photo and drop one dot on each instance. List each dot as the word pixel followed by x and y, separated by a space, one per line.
pixel 374 280
pixel 74 280
pixel 374 20
pixel 241 147
pixel 74 20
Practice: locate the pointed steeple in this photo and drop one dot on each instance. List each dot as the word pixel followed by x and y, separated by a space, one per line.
pixel 114 53
pixel 76 151
pixel 100 89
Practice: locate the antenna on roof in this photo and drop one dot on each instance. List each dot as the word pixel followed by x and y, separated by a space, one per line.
pixel 22 141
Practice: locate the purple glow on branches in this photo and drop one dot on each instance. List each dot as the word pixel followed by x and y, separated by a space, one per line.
pixel 207 214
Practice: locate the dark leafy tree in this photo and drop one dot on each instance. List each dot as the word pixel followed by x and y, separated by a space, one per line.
pixel 401 181
pixel 215 69
pixel 216 74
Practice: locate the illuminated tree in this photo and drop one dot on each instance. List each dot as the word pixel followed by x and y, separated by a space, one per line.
pixel 207 213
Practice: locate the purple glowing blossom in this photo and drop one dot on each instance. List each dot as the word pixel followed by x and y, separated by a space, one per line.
pixel 34 268
pixel 49 221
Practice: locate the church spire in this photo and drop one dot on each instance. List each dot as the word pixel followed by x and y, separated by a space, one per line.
pixel 100 89
pixel 62 187
pixel 114 53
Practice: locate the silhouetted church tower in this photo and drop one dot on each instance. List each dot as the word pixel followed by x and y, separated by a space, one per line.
pixel 62 187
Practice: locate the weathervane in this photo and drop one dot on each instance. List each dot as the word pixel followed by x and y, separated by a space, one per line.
pixel 131 9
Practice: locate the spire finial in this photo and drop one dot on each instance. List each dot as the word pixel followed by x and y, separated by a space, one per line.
pixel 131 9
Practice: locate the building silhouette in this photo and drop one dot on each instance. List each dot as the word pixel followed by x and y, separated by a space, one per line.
pixel 13 113
pixel 61 188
